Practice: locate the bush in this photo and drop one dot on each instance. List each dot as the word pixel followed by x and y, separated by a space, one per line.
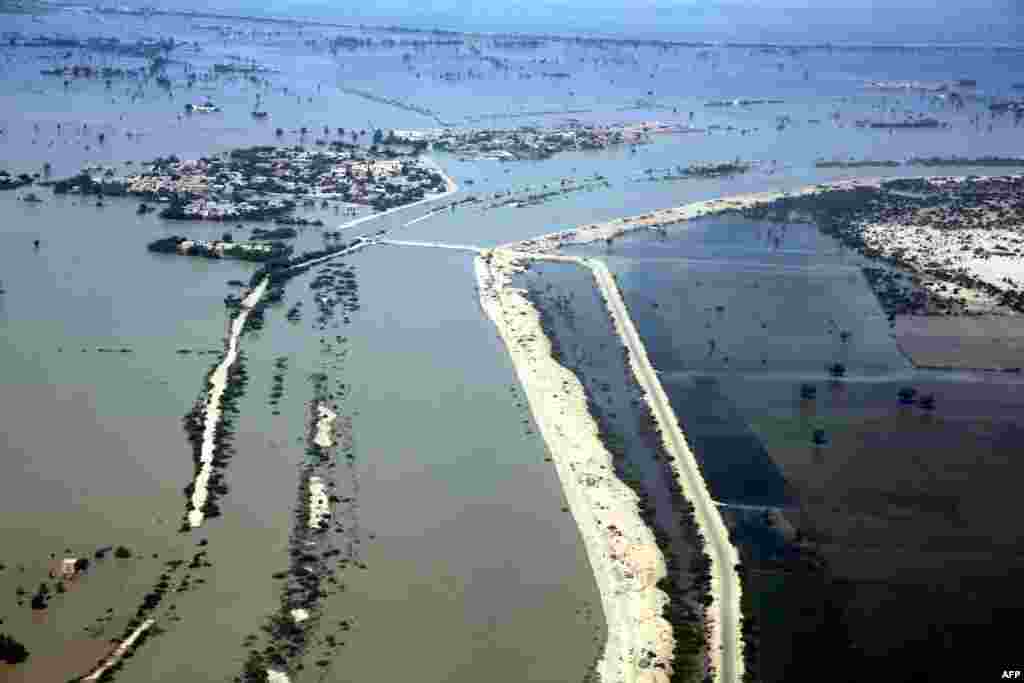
pixel 11 651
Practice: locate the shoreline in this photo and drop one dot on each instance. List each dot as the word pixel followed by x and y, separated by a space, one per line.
pixel 622 550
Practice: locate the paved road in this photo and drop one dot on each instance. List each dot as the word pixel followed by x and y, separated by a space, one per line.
pixel 725 582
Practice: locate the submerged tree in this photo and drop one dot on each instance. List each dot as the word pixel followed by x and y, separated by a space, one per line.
pixel 11 651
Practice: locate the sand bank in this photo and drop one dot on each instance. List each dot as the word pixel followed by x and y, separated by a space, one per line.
pixel 120 651
pixel 324 437
pixel 213 413
pixel 319 503
pixel 584 234
pixel 623 553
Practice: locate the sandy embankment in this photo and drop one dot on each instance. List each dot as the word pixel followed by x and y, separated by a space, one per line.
pixel 213 413
pixel 120 650
pixel 277 677
pixel 324 426
pixel 623 553
pixel 584 234
pixel 632 608
pixel 218 380
pixel 725 644
pixel 319 501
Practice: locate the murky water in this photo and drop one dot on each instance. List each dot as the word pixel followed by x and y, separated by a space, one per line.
pixel 461 525
pixel 471 564
pixel 741 317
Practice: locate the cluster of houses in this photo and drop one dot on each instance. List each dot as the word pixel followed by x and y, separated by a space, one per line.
pixel 268 182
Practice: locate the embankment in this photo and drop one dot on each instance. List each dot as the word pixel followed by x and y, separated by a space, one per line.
pixel 212 415
pixel 623 552
pixel 655 220
pixel 544 380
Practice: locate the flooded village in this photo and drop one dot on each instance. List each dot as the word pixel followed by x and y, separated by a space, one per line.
pixel 330 341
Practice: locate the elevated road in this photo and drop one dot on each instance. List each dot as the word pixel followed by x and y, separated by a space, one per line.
pixel 725 646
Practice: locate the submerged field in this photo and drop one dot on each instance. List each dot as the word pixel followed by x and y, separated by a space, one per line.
pixel 862 539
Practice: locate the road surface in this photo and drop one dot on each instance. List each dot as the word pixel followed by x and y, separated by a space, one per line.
pixel 725 646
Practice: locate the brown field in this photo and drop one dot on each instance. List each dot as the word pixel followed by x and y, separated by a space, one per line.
pixel 962 342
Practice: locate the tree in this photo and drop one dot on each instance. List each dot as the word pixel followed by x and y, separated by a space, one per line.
pixel 11 651
pixel 378 136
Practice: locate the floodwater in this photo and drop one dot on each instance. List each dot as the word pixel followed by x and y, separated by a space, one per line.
pixel 463 534
pixel 738 316
pixel 472 567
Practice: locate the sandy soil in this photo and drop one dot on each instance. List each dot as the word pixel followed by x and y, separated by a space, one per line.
pixel 120 650
pixel 324 426
pixel 319 503
pixel 724 614
pixel 663 217
pixel 218 382
pixel 992 255
pixel 623 554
